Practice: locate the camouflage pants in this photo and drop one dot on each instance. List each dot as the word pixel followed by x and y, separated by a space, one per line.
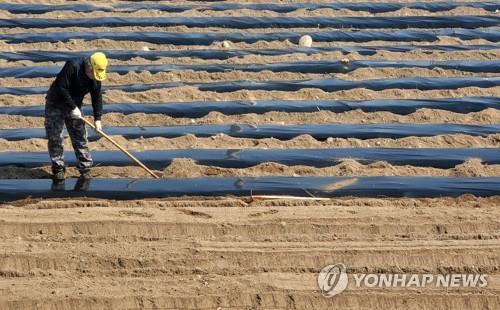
pixel 55 119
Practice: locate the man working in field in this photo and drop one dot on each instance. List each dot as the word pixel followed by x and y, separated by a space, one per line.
pixel 63 107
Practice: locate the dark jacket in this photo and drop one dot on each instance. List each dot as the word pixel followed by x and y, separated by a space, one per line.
pixel 71 85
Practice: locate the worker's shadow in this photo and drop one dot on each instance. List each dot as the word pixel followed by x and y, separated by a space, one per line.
pixel 81 185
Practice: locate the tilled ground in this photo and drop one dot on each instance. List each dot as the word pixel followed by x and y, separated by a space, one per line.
pixel 488 116
pixel 187 168
pixel 230 252
pixel 163 255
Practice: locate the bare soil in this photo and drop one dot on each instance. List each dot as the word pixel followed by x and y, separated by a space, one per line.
pixel 488 116
pixel 187 168
pixel 77 44
pixel 148 254
pixel 190 76
pixel 247 12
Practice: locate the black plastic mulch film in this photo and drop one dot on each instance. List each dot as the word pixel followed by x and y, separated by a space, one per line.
pixel 299 67
pixel 437 6
pixel 282 132
pixel 207 38
pixel 48 56
pixel 325 84
pixel 298 186
pixel 247 22
pixel 196 109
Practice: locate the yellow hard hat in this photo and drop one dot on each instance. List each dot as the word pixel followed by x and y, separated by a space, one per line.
pixel 99 62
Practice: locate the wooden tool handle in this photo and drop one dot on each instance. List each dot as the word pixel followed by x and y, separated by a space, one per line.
pixel 121 148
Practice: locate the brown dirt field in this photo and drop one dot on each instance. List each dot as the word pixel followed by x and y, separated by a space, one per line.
pixel 188 93
pixel 247 12
pixel 232 252
pixel 488 116
pixel 139 255
pixel 81 45
pixel 187 168
pixel 265 75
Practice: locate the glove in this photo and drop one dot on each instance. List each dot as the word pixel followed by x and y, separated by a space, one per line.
pixel 75 113
pixel 98 125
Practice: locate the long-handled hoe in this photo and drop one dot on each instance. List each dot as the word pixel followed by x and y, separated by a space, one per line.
pixel 121 148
